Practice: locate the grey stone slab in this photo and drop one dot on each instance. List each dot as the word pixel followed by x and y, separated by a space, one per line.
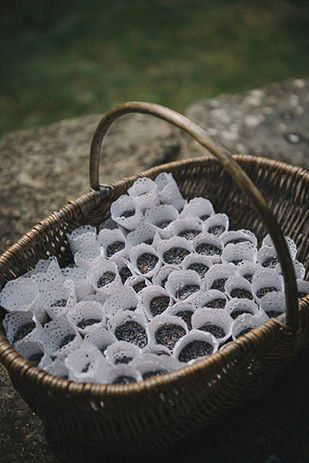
pixel 272 121
pixel 41 169
pixel 22 437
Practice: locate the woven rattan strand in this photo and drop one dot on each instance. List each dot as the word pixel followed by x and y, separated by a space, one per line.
pixel 256 193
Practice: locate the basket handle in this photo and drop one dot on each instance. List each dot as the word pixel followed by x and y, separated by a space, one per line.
pixel 228 163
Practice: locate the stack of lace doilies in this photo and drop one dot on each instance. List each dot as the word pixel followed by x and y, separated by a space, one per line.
pixel 162 283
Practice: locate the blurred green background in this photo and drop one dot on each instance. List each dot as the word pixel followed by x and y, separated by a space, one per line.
pixel 61 59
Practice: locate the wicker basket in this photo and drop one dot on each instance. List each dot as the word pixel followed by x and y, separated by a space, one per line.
pixel 150 415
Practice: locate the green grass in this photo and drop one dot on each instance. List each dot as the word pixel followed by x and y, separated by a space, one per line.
pixel 61 59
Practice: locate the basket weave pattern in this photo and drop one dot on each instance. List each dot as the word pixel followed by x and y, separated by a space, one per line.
pixel 157 412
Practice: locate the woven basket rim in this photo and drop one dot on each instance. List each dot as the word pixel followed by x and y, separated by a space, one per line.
pixel 246 158
pixel 106 189
pixel 12 359
pixel 99 391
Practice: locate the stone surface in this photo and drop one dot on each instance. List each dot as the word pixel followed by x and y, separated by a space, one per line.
pixel 41 169
pixel 272 121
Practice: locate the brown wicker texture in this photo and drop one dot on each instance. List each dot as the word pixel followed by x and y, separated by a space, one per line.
pixel 141 417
